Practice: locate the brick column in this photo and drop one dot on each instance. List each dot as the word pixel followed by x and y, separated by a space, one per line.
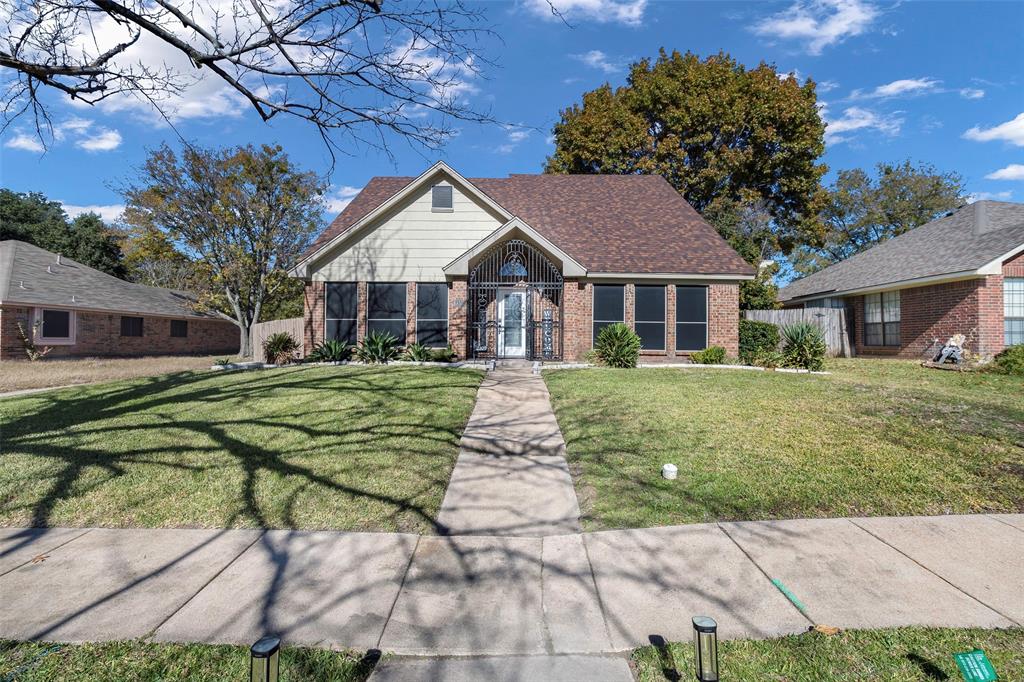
pixel 724 317
pixel 362 291
pixel 578 318
pixel 410 312
pixel 670 320
pixel 457 318
pixel 313 310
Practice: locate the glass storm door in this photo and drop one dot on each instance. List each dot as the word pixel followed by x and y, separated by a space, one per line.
pixel 512 321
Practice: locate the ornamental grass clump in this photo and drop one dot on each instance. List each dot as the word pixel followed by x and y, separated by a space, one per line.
pixel 712 355
pixel 803 346
pixel 378 347
pixel 280 348
pixel 618 346
pixel 331 350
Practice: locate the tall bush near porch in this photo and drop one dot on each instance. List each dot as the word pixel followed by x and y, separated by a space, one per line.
pixel 242 215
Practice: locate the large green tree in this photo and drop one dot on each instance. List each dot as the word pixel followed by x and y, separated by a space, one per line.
pixel 241 215
pixel 862 210
pixel 31 217
pixel 721 134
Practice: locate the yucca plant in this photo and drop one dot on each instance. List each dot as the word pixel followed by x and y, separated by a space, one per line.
pixel 417 352
pixel 378 347
pixel 280 347
pixel 803 345
pixel 331 350
pixel 618 346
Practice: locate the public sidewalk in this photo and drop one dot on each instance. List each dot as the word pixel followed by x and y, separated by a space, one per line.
pixel 591 593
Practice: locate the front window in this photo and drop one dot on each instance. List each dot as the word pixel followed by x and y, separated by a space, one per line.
pixel 385 311
pixel 650 316
pixel 609 306
pixel 131 326
pixel 55 326
pixel 179 329
pixel 691 318
pixel 342 304
pixel 882 319
pixel 1013 310
pixel 432 314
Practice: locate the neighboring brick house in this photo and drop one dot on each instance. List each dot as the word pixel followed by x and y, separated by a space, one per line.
pixel 528 266
pixel 79 311
pixel 959 274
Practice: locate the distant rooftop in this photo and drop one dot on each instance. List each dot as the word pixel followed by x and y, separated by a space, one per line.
pixel 962 243
pixel 33 276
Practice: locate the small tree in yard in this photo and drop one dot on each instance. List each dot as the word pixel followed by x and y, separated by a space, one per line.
pixel 242 215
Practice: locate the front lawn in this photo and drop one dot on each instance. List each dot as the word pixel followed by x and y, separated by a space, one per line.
pixel 19 375
pixel 874 438
pixel 894 655
pixel 143 662
pixel 345 448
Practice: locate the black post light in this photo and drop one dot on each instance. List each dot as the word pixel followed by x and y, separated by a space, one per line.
pixel 264 665
pixel 705 648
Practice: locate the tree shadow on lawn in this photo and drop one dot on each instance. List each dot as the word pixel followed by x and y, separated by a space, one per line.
pixel 31 433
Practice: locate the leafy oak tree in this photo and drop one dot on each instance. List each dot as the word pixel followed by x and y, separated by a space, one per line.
pixel 721 134
pixel 862 210
pixel 241 215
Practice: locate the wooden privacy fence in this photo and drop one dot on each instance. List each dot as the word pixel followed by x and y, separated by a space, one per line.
pixel 262 330
pixel 831 321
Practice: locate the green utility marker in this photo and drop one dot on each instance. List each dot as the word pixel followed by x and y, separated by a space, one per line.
pixel 975 666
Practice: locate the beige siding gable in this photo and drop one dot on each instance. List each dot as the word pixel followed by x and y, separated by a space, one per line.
pixel 410 244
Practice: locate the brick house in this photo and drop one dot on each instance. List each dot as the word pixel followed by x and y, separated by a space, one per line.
pixel 962 273
pixel 528 266
pixel 79 311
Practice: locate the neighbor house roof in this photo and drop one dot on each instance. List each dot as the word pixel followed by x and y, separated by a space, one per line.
pixel 970 242
pixel 608 223
pixel 32 276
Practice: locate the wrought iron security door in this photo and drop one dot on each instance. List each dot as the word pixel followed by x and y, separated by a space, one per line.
pixel 515 304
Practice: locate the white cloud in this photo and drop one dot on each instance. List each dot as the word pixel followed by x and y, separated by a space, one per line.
pixel 1012 131
pixel 1015 171
pixel 515 134
pixel 103 141
pixel 996 196
pixel 859 119
pixel 628 12
pixel 109 212
pixel 596 59
pixel 818 23
pixel 900 88
pixel 337 200
pixel 24 141
pixel 972 93
pixel 827 86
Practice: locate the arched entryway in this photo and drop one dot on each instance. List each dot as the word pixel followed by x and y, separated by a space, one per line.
pixel 515 304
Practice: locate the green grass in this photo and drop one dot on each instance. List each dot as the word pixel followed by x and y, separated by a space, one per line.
pixel 874 438
pixel 344 448
pixel 896 655
pixel 137 662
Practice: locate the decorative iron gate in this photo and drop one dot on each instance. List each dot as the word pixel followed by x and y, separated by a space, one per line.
pixel 515 270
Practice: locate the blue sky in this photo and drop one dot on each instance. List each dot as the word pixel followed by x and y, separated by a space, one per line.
pixel 936 82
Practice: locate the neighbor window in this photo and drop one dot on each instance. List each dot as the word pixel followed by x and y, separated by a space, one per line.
pixel 179 329
pixel 882 319
pixel 650 316
pixel 609 306
pixel 385 311
pixel 691 318
pixel 441 198
pixel 342 304
pixel 1013 310
pixel 56 326
pixel 131 326
pixel 432 314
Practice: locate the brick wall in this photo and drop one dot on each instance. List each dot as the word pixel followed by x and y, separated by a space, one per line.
pixel 1014 267
pixel 99 334
pixel 724 317
pixel 971 307
pixel 313 303
pixel 457 321
pixel 578 318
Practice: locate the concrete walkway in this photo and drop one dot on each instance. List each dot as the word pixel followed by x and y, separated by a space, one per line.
pixel 576 595
pixel 511 477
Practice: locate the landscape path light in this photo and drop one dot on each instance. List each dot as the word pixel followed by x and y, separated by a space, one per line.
pixel 264 665
pixel 705 648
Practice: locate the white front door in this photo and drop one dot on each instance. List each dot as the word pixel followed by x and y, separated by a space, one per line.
pixel 512 321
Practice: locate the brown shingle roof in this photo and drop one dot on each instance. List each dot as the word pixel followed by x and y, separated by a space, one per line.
pixel 609 223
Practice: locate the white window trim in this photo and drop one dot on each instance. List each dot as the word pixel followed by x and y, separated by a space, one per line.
pixel 1006 300
pixel 72 328
pixel 707 319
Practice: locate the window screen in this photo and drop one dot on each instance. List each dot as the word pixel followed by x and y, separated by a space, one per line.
pixel 1013 310
pixel 131 326
pixel 179 328
pixel 385 310
pixel 882 319
pixel 441 198
pixel 342 304
pixel 56 324
pixel 609 306
pixel 691 318
pixel 432 314
pixel 650 317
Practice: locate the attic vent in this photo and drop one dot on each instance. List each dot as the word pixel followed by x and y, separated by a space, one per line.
pixel 58 259
pixel 441 198
pixel 49 269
